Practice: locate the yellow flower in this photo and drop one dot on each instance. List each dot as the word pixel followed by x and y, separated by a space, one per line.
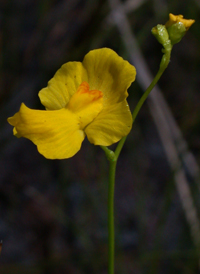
pixel 82 99
pixel 173 19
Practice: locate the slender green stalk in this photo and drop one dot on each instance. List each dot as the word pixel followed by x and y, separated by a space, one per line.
pixel 163 65
pixel 111 227
pixel 113 157
pixel 145 95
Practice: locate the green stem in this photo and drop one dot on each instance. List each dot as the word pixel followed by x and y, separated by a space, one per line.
pixel 111 226
pixel 113 157
pixel 163 65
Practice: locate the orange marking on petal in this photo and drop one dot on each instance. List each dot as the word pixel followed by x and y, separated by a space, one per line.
pixel 86 104
pixel 83 97
pixel 85 88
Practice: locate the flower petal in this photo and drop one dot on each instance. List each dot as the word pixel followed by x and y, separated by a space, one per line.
pixel 109 73
pixel 113 123
pixel 173 19
pixel 103 69
pixel 63 85
pixel 56 134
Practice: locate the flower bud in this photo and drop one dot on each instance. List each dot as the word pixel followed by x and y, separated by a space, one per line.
pixel 176 32
pixel 173 19
pixel 177 27
pixel 161 34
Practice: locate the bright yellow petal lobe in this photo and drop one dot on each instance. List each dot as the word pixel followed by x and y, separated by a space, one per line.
pixel 56 133
pixel 109 73
pixel 63 85
pixel 173 19
pixel 112 123
pixel 86 104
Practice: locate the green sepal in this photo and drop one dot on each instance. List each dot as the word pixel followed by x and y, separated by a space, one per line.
pixel 176 32
pixel 161 34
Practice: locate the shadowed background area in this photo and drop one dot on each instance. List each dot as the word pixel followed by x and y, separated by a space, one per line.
pixel 53 214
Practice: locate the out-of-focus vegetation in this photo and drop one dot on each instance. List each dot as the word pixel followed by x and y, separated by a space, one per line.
pixel 53 214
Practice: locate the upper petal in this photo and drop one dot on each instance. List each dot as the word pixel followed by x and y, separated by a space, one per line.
pixel 173 19
pixel 63 85
pixel 56 134
pixel 109 73
pixel 103 69
pixel 112 123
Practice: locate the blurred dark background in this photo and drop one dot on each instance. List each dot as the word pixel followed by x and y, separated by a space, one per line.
pixel 53 214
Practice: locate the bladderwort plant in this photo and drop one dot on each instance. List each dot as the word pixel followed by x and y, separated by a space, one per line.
pixel 89 99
